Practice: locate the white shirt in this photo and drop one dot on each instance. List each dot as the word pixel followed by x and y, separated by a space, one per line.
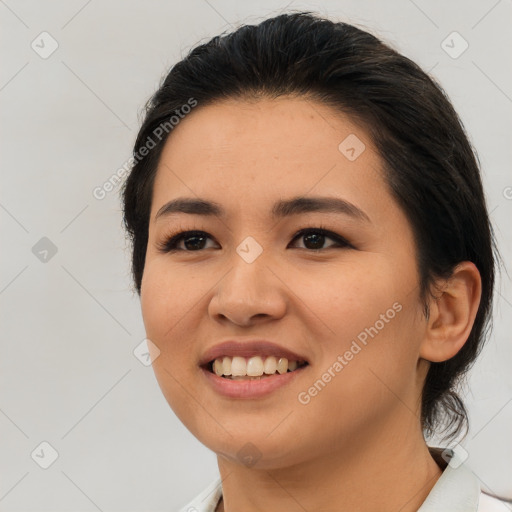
pixel 457 490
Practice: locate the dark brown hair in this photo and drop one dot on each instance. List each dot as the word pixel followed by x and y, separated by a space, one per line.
pixel 430 165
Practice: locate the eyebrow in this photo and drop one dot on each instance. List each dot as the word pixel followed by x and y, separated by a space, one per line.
pixel 281 209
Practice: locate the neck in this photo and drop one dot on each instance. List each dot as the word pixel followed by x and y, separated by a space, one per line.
pixel 384 471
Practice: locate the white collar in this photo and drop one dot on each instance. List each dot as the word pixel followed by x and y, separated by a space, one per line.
pixel 456 490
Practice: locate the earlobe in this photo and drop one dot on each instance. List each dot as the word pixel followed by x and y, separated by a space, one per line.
pixel 452 313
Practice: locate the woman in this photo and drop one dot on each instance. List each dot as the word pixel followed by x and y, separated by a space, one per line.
pixel 315 263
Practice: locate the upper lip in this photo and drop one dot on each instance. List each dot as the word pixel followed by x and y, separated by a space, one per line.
pixel 249 348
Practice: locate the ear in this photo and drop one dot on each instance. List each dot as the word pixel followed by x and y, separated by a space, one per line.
pixel 452 313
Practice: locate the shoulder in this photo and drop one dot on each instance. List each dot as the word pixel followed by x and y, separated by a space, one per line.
pixel 487 503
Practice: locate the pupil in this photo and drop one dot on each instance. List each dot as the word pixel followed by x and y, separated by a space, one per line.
pixel 319 240
pixel 194 246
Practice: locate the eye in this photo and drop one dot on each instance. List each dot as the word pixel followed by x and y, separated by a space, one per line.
pixel 194 241
pixel 315 238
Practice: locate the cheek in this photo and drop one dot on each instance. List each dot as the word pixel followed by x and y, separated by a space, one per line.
pixel 167 296
pixel 166 305
pixel 367 336
pixel 360 383
pixel 348 298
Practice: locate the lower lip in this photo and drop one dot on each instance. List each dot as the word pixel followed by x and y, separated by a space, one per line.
pixel 256 388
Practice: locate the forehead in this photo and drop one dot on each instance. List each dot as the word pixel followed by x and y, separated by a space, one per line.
pixel 256 151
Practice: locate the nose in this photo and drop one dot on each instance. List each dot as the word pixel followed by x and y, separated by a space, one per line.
pixel 249 294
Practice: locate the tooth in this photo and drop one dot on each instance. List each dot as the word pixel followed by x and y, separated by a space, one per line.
pixel 255 366
pixel 226 365
pixel 238 366
pixel 282 365
pixel 270 366
pixel 217 367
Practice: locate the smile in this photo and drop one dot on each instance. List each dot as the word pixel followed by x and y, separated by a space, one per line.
pixel 240 384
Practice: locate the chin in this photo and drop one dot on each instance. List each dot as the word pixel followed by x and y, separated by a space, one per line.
pixel 252 447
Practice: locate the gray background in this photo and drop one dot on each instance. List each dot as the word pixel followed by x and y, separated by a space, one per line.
pixel 69 320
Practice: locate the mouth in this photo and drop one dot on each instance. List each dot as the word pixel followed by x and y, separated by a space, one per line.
pixel 252 368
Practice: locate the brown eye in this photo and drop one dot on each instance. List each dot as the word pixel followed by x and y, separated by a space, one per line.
pixel 314 239
pixel 193 241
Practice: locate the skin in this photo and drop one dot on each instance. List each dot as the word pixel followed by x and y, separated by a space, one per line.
pixel 358 444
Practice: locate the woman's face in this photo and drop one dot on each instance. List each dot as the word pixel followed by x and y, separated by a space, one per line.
pixel 351 311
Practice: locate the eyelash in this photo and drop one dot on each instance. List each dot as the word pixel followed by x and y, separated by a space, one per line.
pixel 170 242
